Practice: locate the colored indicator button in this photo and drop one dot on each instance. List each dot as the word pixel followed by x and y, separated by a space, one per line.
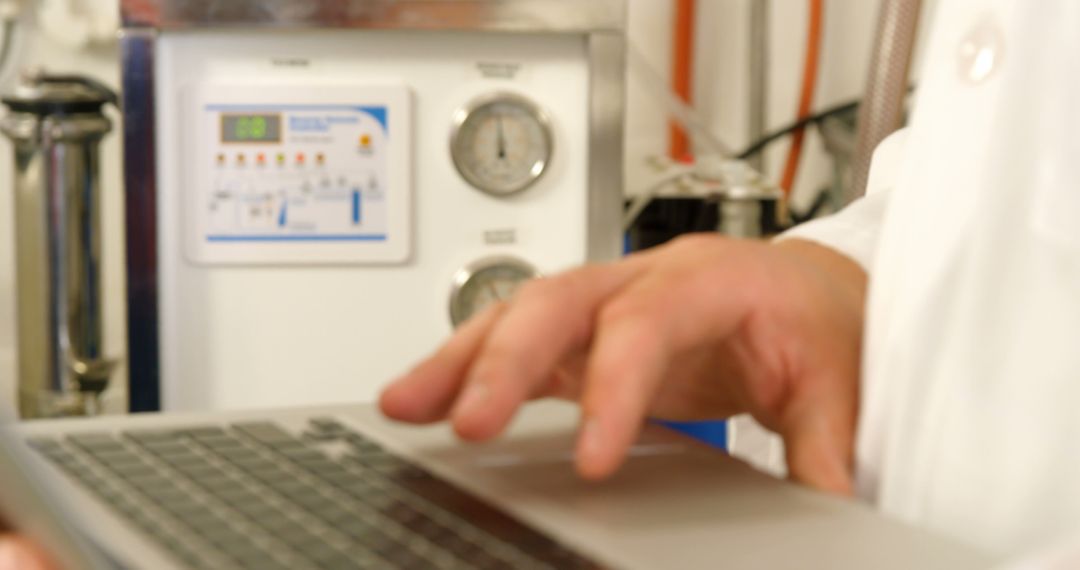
pixel 261 159
pixel 300 158
pixel 241 159
pixel 365 140
pixel 320 159
pixel 281 159
pixel 221 159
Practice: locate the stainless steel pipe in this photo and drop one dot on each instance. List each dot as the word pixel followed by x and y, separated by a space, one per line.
pixel 56 125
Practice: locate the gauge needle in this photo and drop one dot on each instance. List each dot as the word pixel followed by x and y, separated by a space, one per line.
pixel 501 140
pixel 494 291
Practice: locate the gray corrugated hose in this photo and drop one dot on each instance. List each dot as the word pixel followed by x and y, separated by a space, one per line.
pixel 882 111
pixel 759 74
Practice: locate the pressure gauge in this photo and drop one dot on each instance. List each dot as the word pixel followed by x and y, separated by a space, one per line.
pixel 485 282
pixel 501 144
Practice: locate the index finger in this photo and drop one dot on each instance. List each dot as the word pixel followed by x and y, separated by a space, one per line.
pixel 19 553
pixel 547 324
pixel 425 394
pixel 642 332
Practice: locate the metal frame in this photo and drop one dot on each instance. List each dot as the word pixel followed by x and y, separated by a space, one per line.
pixel 600 22
pixel 137 52
pixel 490 15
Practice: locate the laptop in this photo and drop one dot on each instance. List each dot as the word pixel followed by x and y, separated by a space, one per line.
pixel 341 488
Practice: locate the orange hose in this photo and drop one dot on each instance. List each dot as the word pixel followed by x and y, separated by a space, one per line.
pixel 809 86
pixel 682 71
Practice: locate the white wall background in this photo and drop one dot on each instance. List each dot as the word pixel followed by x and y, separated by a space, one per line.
pixel 720 92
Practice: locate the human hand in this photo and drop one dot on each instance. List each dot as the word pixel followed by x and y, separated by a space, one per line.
pixel 703 328
pixel 19 553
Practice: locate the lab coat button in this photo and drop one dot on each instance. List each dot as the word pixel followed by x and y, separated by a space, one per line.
pixel 981 52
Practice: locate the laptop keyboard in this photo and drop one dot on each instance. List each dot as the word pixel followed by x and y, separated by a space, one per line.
pixel 254 495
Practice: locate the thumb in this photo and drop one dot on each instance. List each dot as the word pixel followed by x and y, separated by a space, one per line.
pixel 17 553
pixel 820 449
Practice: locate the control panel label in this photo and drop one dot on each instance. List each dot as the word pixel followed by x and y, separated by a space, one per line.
pixel 299 182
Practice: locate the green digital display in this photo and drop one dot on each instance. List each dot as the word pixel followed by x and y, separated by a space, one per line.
pixel 251 128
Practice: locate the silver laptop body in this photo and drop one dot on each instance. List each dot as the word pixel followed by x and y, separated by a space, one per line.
pixel 340 487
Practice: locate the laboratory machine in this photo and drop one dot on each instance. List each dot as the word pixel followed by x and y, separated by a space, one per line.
pixel 318 192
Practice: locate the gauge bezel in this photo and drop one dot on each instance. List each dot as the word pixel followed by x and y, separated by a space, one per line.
pixel 534 110
pixel 466 274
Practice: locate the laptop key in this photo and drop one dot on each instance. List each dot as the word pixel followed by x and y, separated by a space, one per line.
pixel 226 443
pixel 201 432
pixel 227 493
pixel 57 452
pixel 278 525
pixel 164 446
pixel 320 436
pixel 357 528
pixel 243 550
pixel 226 535
pixel 264 432
pixel 305 455
pixel 252 462
pixel 257 510
pixel 314 502
pixel 43 443
pixel 107 448
pixel 329 470
pixel 327 424
pixel 289 486
pixel 151 435
pixel 135 472
pixel 104 492
pixel 335 514
pixel 162 491
pixel 91 439
pixel 321 552
pixel 183 459
pixel 186 509
pixel 202 472
pixel 300 539
pixel 342 562
pixel 363 558
pixel 271 476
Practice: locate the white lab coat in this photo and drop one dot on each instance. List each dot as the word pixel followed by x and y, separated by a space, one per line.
pixel 970 404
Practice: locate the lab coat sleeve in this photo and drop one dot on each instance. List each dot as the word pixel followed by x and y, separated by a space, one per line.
pixel 854 230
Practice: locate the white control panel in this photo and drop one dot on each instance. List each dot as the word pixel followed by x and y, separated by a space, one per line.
pixel 257 313
pixel 298 175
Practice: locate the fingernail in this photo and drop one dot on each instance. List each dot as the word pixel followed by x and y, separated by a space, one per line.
pixel 473 400
pixel 590 443
pixel 9 555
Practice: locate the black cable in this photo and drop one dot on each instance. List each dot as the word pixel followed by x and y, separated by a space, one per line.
pixel 813 211
pixel 770 138
pixel 767 140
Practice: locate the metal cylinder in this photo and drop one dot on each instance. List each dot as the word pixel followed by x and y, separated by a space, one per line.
pixel 56 125
pixel 746 201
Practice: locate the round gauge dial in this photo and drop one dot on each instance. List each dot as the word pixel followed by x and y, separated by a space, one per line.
pixel 486 282
pixel 501 143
